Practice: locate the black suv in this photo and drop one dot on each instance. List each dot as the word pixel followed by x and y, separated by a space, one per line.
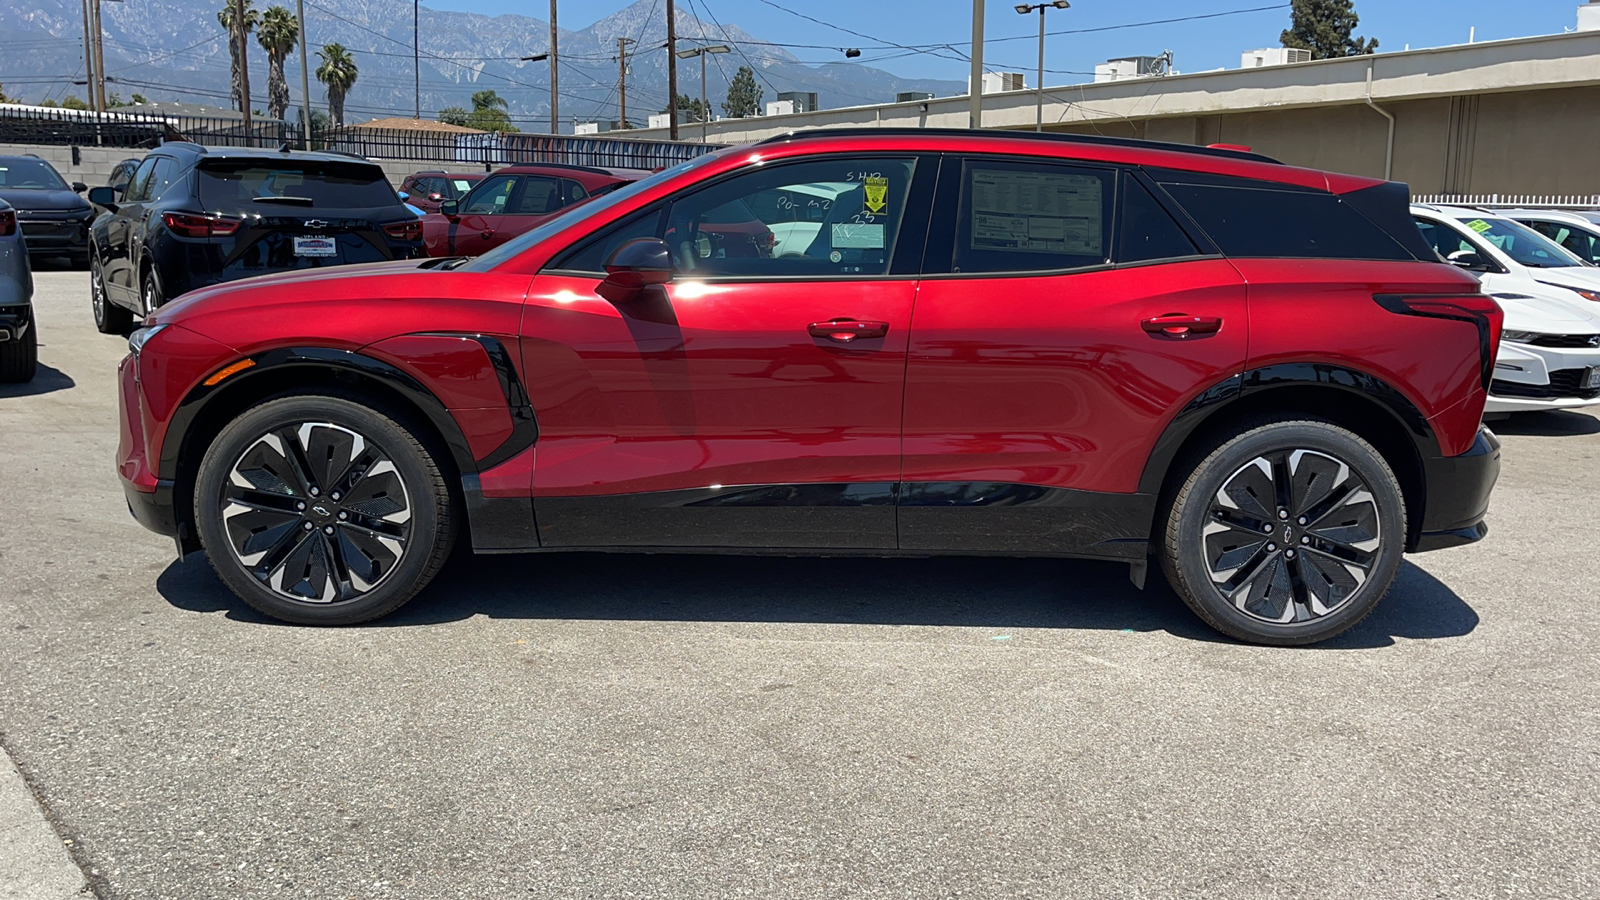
pixel 193 216
pixel 53 218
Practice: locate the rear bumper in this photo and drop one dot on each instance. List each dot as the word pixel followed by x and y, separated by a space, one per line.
pixel 1458 489
pixel 15 322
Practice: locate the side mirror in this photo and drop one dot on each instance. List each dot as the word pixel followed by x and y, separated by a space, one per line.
pixel 404 196
pixel 635 266
pixel 1470 261
pixel 104 196
pixel 79 187
pixel 449 207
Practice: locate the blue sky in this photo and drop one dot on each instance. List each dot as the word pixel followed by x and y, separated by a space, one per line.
pixel 1199 45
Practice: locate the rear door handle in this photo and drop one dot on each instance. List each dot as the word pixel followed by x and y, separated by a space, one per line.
pixel 1181 325
pixel 843 331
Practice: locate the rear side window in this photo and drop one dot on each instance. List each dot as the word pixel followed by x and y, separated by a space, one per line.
pixel 539 196
pixel 1146 231
pixel 1581 243
pixel 1032 217
pixel 224 182
pixel 1263 222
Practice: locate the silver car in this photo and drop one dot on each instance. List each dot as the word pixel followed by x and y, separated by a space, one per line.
pixel 19 343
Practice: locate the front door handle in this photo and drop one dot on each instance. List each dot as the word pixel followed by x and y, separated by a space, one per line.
pixel 486 235
pixel 843 331
pixel 1181 325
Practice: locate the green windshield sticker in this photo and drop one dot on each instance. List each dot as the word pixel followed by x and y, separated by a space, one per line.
pixel 1480 226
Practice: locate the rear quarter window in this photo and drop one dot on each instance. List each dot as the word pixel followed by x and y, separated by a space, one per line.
pixel 1295 224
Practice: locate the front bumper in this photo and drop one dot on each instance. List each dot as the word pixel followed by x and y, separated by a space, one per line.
pixel 1528 378
pixel 1457 495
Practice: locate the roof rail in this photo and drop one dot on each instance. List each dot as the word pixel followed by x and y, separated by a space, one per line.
pixel 814 133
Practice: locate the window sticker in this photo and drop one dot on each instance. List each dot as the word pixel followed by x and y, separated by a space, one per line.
pixel 851 236
pixel 876 200
pixel 1037 212
pixel 1480 226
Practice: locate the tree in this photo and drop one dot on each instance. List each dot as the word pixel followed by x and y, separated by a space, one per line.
pixel 71 101
pixel 338 72
pixel 744 95
pixel 139 98
pixel 3 97
pixel 692 109
pixel 488 113
pixel 238 47
pixel 278 33
pixel 454 115
pixel 1325 27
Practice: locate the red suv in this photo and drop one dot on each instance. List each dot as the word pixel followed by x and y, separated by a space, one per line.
pixel 1257 376
pixel 510 203
pixel 427 190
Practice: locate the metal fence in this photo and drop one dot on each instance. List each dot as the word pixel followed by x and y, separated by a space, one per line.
pixel 1513 201
pixel 48 126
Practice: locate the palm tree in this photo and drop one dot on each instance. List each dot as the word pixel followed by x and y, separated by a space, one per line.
pixel 488 99
pixel 238 47
pixel 338 72
pixel 277 35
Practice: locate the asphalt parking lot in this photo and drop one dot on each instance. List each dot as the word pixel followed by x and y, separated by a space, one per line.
pixel 697 727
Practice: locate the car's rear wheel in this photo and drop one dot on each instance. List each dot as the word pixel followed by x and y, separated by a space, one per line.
pixel 19 357
pixel 321 510
pixel 1287 533
pixel 150 296
pixel 109 318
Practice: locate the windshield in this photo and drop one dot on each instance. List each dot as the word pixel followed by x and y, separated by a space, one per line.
pixel 1524 245
pixel 579 215
pixel 30 174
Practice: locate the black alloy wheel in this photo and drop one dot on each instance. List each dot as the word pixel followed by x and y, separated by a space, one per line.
pixel 1289 533
pixel 150 296
pixel 320 510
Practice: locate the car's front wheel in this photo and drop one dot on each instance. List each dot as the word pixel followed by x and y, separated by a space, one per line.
pixel 322 510
pixel 1287 533
pixel 109 318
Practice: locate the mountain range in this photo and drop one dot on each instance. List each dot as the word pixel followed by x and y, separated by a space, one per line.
pixel 175 50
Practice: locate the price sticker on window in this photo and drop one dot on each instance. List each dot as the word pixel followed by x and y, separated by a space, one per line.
pixel 1480 226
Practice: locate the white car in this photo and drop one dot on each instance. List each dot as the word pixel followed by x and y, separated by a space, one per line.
pixel 1578 232
pixel 1550 345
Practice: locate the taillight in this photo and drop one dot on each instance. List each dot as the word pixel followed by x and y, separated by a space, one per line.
pixel 1479 310
pixel 405 231
pixel 8 222
pixel 199 226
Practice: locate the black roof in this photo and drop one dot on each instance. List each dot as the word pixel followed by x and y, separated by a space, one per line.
pixel 185 147
pixel 865 131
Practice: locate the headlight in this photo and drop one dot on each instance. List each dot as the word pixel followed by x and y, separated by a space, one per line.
pixel 1590 295
pixel 1520 337
pixel 142 336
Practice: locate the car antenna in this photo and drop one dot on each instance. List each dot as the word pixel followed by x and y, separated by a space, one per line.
pixel 284 148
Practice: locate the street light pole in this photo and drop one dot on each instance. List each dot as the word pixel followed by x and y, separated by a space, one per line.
pixel 705 101
pixel 305 77
pixel 975 89
pixel 1024 9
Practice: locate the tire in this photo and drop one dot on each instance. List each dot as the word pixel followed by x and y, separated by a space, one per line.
pixel 150 296
pixel 109 318
pixel 1337 534
pixel 19 357
pixel 268 519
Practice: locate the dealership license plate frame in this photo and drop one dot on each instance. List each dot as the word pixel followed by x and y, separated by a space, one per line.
pixel 1591 379
pixel 301 248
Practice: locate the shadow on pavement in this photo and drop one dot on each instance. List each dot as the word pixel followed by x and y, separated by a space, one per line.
pixel 991 593
pixel 1547 424
pixel 45 380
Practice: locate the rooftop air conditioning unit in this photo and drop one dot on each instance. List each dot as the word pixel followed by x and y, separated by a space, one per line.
pixel 1274 56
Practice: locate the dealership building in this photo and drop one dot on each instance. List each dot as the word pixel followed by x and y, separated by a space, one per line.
pixel 1513 117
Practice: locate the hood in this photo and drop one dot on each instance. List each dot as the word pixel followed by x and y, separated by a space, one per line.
pixel 25 199
pixel 314 280
pixel 1547 311
pixel 1581 278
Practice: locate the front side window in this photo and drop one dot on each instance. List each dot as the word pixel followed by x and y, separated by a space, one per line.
pixel 1524 245
pixel 1032 217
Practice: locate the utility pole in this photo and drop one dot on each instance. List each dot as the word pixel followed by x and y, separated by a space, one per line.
pixel 555 114
pixel 305 77
pixel 975 101
pixel 242 47
pixel 88 57
pixel 672 72
pixel 1023 8
pixel 622 78
pixel 416 59
pixel 97 81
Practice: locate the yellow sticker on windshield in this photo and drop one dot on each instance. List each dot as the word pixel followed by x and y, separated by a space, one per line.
pixel 1480 226
pixel 877 199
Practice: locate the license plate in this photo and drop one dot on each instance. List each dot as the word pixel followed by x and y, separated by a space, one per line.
pixel 1591 378
pixel 315 245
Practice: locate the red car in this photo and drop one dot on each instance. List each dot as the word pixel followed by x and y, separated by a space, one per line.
pixel 1258 377
pixel 429 189
pixel 509 203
